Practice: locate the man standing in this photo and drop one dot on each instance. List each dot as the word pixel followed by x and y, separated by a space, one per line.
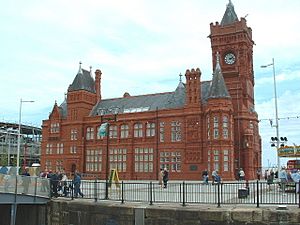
pixel 283 179
pixel 205 176
pixel 77 183
pixel 25 180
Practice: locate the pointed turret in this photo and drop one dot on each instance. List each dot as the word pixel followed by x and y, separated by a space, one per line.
pixel 218 87
pixel 229 15
pixel 83 81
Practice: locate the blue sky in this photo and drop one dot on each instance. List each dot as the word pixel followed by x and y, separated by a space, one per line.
pixel 141 47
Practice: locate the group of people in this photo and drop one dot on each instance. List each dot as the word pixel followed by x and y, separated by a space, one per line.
pixel 163 177
pixel 60 185
pixel 216 178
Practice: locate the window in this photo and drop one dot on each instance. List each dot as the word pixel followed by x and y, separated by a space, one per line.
pixel 143 158
pixel 150 129
pixel 171 161
pixel 216 160
pixel 48 165
pixel 73 134
pixel 49 149
pixel 113 131
pixel 93 160
pixel 124 131
pixel 208 159
pixel 59 165
pixel 226 160
pixel 117 159
pixel 175 131
pixel 216 128
pixel 73 149
pixel 90 133
pixel 162 131
pixel 208 128
pixel 225 127
pixel 138 130
pixel 59 148
pixel 54 128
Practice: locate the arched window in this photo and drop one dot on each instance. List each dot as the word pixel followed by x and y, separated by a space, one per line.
pixel 89 133
pixel 138 130
pixel 208 128
pixel 216 127
pixel 113 131
pixel 124 131
pixel 150 129
pixel 225 127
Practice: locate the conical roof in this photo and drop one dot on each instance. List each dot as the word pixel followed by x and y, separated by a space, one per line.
pixel 229 15
pixel 218 87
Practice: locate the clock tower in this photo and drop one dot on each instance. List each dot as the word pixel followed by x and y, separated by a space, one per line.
pixel 232 38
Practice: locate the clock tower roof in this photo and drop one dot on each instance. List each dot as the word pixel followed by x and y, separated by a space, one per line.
pixel 229 15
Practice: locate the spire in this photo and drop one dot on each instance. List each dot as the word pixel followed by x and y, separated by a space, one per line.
pixel 229 15
pixel 218 87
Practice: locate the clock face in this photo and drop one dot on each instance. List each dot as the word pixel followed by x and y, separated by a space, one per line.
pixel 229 58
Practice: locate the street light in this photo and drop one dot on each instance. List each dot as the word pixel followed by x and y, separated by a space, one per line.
pixel 19 134
pixel 276 113
pixel 102 113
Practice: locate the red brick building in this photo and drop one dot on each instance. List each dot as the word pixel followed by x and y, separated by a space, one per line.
pixel 201 125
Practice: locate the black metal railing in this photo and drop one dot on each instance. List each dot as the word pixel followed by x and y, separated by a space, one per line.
pixel 185 192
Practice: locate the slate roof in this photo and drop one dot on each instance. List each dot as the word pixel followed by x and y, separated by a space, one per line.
pixel 218 87
pixel 152 102
pixel 63 109
pixel 83 81
pixel 229 15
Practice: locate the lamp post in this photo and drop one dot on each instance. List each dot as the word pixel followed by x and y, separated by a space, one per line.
pixel 276 112
pixel 19 134
pixel 102 112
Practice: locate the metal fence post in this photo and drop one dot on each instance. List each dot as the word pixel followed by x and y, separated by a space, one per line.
pixel 122 192
pixel 35 187
pixel 257 194
pixel 298 192
pixel 219 196
pixel 72 190
pixel 95 190
pixel 183 193
pixel 151 200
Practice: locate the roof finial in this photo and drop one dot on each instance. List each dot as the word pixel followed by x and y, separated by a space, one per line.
pixel 90 69
pixel 80 70
pixel 218 67
pixel 180 75
pixel 218 57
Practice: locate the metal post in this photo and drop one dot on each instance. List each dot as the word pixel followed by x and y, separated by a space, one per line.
pixel 107 161
pixel 219 196
pixel 19 137
pixel 276 111
pixel 183 193
pixel 95 190
pixel 276 115
pixel 122 192
pixel 151 190
pixel 257 194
